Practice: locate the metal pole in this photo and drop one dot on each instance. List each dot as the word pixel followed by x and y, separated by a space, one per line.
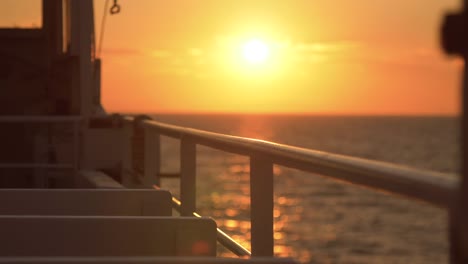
pixel 127 153
pixel 459 212
pixel 187 177
pixel 152 153
pixel 76 151
pixel 261 206
pixel 157 158
pixel 463 207
pixel 455 42
pixel 462 214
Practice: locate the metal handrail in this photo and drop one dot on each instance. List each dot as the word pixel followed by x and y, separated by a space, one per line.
pixel 432 187
pixel 222 237
pixel 435 188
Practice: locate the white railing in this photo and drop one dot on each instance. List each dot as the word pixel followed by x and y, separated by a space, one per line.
pixel 434 188
pixel 74 121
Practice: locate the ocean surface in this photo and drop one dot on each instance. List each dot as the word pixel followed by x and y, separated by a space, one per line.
pixel 319 220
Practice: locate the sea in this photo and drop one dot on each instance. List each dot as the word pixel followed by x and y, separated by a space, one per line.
pixel 318 219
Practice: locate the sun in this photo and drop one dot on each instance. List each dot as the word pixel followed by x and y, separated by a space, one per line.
pixel 255 51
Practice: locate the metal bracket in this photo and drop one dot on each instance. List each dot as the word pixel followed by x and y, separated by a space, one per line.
pixel 115 8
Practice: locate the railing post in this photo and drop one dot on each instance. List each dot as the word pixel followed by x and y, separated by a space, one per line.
pixel 76 150
pixel 157 158
pixel 127 154
pixel 138 150
pixel 261 206
pixel 187 177
pixel 40 176
pixel 152 157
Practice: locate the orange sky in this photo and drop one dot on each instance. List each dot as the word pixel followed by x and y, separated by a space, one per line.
pixel 327 56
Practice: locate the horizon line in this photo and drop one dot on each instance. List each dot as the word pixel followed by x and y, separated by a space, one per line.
pixel 456 115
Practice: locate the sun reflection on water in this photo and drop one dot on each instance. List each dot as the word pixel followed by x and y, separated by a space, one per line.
pixel 223 192
pixel 230 205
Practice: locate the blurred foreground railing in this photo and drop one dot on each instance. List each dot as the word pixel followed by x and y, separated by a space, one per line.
pixel 143 159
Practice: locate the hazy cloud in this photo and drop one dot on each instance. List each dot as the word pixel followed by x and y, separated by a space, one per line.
pixel 195 52
pixel 122 51
pixel 326 47
pixel 160 53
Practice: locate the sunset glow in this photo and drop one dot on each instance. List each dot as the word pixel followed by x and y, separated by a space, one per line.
pixel 324 57
pixel 256 56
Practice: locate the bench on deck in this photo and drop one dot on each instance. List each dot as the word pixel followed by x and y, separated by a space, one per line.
pixel 124 202
pixel 89 236
pixel 146 260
